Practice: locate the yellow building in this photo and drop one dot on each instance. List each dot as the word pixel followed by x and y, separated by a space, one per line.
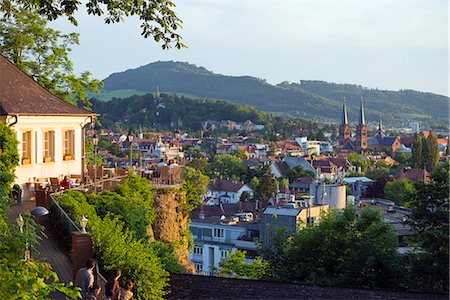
pixel 49 130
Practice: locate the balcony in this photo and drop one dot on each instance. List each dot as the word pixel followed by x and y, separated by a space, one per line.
pixel 246 243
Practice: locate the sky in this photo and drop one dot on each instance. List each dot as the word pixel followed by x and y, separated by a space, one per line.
pixel 379 44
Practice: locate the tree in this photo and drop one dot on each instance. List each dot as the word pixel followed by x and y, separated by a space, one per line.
pixel 245 196
pixel 43 53
pixel 284 183
pixel 235 265
pixel 430 219
pixel 399 191
pixel 199 164
pixel 358 160
pixel 298 172
pixel 227 166
pixel 430 154
pixel 9 158
pixel 267 187
pixel 254 183
pixel 194 184
pixel 346 248
pixel 239 153
pixel 158 19
pixel 19 278
pixel 417 151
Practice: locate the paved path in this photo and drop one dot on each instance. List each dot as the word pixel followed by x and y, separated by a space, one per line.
pixel 48 249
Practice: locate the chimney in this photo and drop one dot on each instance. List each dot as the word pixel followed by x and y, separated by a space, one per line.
pixel 201 215
pixel 257 205
pixel 221 208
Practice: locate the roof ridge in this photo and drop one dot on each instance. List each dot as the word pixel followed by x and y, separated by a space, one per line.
pixel 23 75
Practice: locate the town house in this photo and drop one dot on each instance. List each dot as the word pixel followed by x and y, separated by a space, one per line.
pixel 49 130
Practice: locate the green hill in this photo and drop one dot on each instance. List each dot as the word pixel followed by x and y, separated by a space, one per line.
pixel 315 100
pixel 170 112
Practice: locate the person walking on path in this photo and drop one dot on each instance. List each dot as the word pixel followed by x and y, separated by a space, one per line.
pixel 113 284
pixel 124 293
pixel 85 277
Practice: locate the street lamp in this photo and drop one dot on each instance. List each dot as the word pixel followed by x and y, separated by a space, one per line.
pixel 20 221
pixel 95 142
pixel 130 139
pixel 83 224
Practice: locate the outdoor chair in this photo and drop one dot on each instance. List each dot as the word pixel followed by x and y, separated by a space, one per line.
pixel 54 184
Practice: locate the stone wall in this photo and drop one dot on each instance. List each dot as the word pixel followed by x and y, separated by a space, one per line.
pixel 171 224
pixel 185 286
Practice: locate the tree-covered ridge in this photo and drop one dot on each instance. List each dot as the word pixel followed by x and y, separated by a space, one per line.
pixel 184 112
pixel 406 103
pixel 310 99
pixel 172 111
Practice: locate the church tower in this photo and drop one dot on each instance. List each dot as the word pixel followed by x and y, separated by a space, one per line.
pixel 380 126
pixel 361 129
pixel 344 128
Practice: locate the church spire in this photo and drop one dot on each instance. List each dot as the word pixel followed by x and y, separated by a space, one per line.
pixel 380 125
pixel 362 119
pixel 344 113
pixel 157 93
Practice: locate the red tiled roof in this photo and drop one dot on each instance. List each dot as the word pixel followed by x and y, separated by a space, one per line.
pixel 442 141
pixel 224 185
pixel 21 95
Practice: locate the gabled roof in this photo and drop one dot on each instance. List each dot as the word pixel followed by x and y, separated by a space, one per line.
pixel 282 167
pixel 21 95
pixel 227 209
pixel 413 174
pixel 224 185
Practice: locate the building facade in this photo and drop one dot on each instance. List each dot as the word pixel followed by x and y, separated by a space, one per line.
pixel 49 130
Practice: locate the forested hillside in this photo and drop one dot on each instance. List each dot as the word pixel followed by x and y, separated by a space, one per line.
pixel 310 99
pixel 171 111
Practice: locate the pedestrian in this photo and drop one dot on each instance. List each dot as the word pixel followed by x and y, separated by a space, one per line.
pixel 124 293
pixel 94 290
pixel 112 284
pixel 85 277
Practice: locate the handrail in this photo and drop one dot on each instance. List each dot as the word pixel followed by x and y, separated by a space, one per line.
pixel 62 210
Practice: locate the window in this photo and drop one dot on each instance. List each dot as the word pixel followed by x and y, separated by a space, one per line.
pixel 223 253
pixel 198 250
pixel 49 146
pixel 198 267
pixel 26 147
pixel 218 233
pixel 69 145
pixel 310 220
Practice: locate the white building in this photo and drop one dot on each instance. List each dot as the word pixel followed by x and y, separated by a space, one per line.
pixel 224 191
pixel 415 127
pixel 49 130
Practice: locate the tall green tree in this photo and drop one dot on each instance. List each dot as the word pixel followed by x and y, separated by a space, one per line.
pixel 345 249
pixel 430 152
pixel 43 53
pixel 417 151
pixel 157 17
pixel 267 187
pixel 430 219
pixel 194 185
